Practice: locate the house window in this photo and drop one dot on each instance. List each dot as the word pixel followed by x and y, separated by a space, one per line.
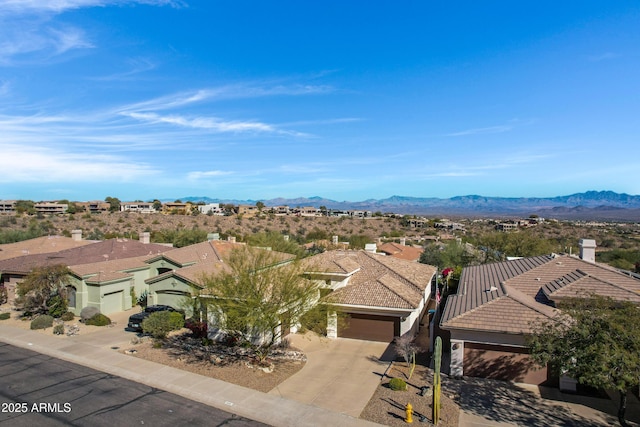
pixel 71 296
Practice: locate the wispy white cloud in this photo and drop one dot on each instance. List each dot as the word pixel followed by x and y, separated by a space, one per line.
pixel 198 175
pixel 136 66
pixel 603 57
pixel 225 92
pixel 60 6
pixel 324 121
pixel 482 131
pixel 66 39
pixel 212 124
pixel 30 33
pixel 28 42
pixel 44 164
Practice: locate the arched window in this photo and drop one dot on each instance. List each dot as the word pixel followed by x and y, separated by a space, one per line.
pixel 71 297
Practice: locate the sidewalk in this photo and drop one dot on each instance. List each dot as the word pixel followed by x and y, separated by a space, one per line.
pixel 94 351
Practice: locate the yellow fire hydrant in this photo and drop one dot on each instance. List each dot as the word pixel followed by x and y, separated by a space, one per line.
pixel 409 410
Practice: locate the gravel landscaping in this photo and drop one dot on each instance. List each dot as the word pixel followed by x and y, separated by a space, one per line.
pixel 387 406
pixel 231 364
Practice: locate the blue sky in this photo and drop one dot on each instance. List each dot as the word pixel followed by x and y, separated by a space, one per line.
pixel 345 100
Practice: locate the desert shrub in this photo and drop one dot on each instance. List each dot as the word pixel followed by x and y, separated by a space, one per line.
pixel 98 320
pixel 159 324
pixel 57 306
pixel 58 329
pixel 67 316
pixel 42 322
pixel 198 329
pixel 88 313
pixel 397 384
pixel 5 316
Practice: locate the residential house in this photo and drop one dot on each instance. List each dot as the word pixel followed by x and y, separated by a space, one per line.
pixel 307 211
pixel 383 296
pixel 140 207
pixel 497 305
pixel 94 207
pixel 211 209
pixel 99 254
pixel 280 210
pixel 400 250
pixel 177 208
pixel 51 207
pixel 507 226
pixel 247 210
pixel 7 206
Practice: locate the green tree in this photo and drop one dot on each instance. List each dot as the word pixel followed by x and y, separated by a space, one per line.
pixel 36 291
pixel 257 295
pixel 25 206
pixel 276 241
pixel 114 204
pixel 157 205
pixel 358 241
pixel 594 340
pixel 260 206
pixel 497 246
pixel 180 238
pixel 451 254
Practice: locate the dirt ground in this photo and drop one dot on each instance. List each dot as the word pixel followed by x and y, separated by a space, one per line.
pixel 387 406
pixel 217 362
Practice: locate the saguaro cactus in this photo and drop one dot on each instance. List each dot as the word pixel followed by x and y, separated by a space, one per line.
pixel 437 359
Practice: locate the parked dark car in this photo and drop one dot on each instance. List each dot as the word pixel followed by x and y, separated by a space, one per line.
pixel 135 320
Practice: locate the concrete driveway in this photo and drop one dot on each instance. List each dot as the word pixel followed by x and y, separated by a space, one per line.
pixel 340 375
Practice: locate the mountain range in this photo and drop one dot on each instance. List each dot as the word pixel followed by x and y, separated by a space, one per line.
pixel 590 205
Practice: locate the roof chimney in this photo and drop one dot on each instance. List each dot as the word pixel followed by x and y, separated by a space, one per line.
pixel 588 250
pixel 145 238
pixel 370 247
pixel 231 239
pixel 403 241
pixel 76 235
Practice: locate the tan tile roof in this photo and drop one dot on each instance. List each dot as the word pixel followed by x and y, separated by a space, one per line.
pixel 206 258
pixel 117 265
pixel 111 249
pixel 487 294
pixel 40 245
pixel 376 280
pixel 397 250
pixel 103 277
pixel 504 314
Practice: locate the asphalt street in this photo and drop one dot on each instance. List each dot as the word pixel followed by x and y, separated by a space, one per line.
pixel 40 390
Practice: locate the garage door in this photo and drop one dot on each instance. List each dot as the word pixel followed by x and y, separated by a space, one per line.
pixel 112 303
pixel 370 328
pixel 503 363
pixel 175 299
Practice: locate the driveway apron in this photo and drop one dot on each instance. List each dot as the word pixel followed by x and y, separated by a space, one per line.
pixel 340 375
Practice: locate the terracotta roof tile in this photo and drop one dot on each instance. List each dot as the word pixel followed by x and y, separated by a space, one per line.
pixel 375 280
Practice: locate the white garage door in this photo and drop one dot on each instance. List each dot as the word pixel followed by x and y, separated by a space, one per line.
pixel 113 302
